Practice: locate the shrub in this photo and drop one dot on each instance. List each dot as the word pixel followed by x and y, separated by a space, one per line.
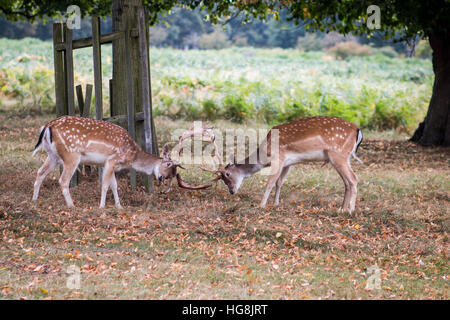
pixel 32 88
pixel 423 50
pixel 267 111
pixel 158 36
pixel 214 40
pixel 240 41
pixel 350 48
pixel 210 109
pixel 294 111
pixel 333 38
pixel 310 42
pixel 189 110
pixel 236 109
pixel 387 51
pixel 384 118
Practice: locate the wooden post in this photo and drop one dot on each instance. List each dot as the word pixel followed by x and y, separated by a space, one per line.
pixel 96 52
pixel 145 81
pixel 86 111
pixel 60 81
pixel 87 101
pixel 130 99
pixel 145 87
pixel 152 122
pixel 84 104
pixel 111 95
pixel 125 17
pixel 68 54
pixel 79 93
pixel 69 84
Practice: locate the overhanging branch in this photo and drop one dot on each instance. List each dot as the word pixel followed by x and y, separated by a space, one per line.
pixel 9 12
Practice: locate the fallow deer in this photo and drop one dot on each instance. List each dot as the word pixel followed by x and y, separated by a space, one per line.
pixel 309 139
pixel 71 141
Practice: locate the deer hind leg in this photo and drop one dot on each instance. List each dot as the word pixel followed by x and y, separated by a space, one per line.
pixel 108 173
pixel 113 185
pixel 342 166
pixel 279 183
pixel 48 166
pixel 70 165
pixel 353 186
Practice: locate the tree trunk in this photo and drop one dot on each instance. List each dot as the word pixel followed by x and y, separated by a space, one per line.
pixel 435 129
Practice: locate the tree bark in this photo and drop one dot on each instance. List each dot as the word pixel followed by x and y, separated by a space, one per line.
pixel 435 129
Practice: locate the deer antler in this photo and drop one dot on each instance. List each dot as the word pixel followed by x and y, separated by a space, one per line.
pixel 185 185
pixel 205 134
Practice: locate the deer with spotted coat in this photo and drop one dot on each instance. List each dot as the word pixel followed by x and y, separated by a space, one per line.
pixel 329 139
pixel 71 141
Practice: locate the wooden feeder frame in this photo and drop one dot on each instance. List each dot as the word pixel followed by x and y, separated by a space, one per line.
pixel 130 87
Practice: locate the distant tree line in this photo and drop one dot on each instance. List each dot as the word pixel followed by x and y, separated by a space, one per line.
pixel 188 29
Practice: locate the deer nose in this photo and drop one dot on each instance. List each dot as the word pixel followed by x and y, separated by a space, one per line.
pixel 231 192
pixel 160 178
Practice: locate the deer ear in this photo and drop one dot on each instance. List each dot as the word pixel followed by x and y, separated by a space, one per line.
pixel 166 152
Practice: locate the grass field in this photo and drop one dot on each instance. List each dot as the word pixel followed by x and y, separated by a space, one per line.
pixel 211 245
pixel 242 84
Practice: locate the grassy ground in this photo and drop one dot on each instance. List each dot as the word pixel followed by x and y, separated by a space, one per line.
pixel 209 244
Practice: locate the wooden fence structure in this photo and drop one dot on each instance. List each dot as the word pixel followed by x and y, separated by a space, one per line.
pixel 130 86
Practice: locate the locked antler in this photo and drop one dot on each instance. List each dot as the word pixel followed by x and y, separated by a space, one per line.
pixel 205 134
pixel 174 173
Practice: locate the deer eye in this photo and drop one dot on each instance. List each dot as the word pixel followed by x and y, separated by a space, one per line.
pixel 227 174
pixel 168 164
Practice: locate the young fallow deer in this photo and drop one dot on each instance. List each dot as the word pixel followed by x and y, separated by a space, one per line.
pixel 309 139
pixel 71 141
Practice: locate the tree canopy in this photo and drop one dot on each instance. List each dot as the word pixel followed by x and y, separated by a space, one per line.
pixel 412 17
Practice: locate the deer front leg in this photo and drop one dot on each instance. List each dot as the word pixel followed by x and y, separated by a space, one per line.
pixel 108 172
pixel 169 185
pixel 270 183
pixel 70 165
pixel 47 167
pixel 279 183
pixel 114 190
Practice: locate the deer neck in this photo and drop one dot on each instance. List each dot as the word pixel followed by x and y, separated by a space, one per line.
pixel 250 167
pixel 146 162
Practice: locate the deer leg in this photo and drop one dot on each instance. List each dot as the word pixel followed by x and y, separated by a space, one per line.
pixel 279 183
pixel 342 166
pixel 108 172
pixel 353 186
pixel 270 184
pixel 47 167
pixel 69 169
pixel 113 185
pixel 169 185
